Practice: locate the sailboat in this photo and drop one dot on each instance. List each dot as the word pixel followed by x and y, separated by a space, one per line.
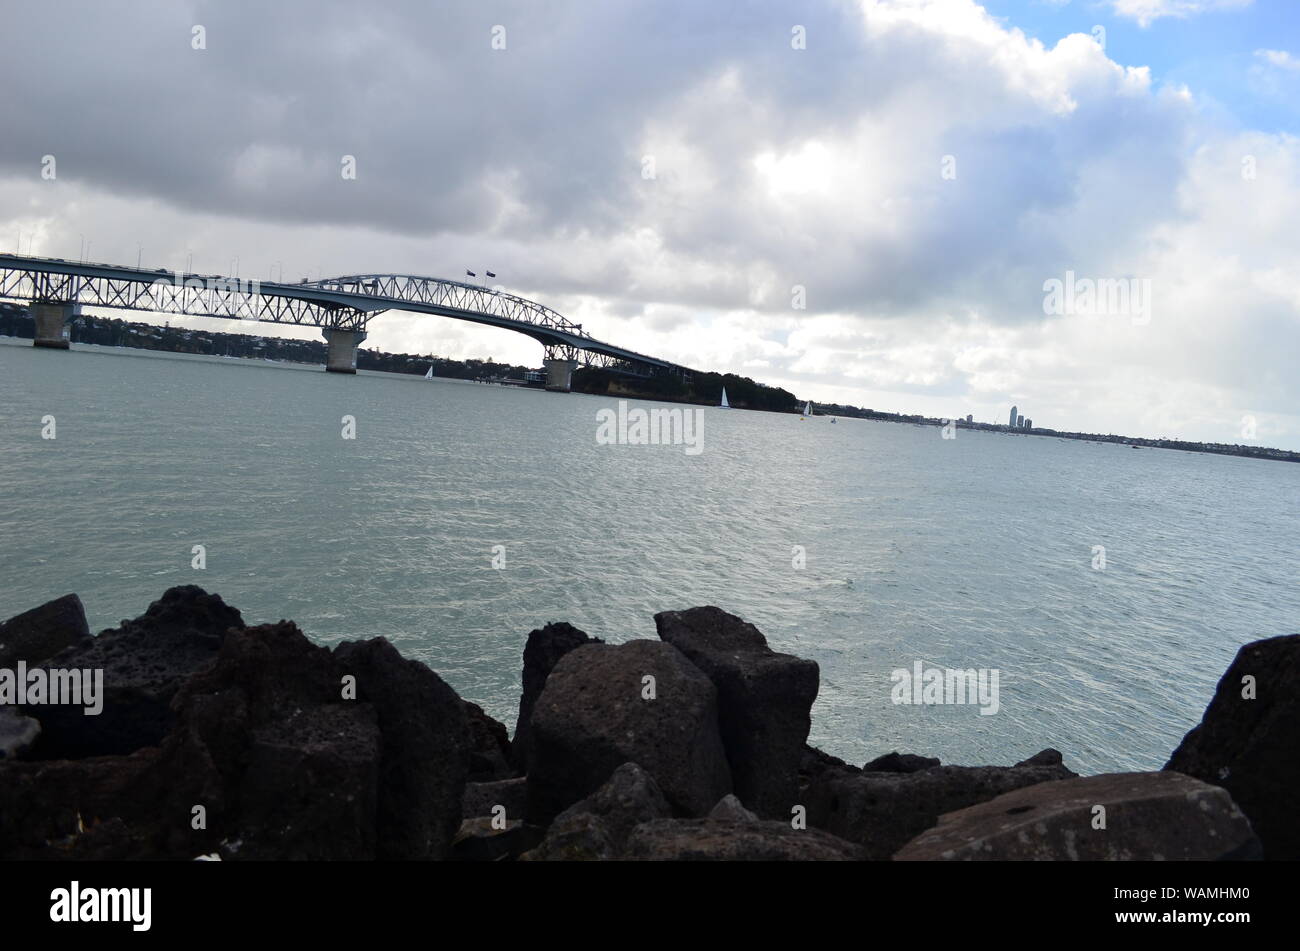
pixel 724 404
pixel 429 375
pixel 807 410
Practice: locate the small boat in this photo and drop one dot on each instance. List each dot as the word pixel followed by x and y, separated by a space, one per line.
pixel 807 410
pixel 832 419
pixel 724 404
pixel 429 375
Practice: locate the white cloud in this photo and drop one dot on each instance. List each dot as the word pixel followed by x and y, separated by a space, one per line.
pixel 1147 12
pixel 1279 58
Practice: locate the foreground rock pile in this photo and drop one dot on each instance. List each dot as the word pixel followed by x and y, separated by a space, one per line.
pixel 255 743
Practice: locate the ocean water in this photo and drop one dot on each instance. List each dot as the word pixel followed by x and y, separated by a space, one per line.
pixel 975 552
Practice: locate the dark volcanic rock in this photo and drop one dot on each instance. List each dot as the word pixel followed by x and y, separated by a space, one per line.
pixel 17 733
pixel 1250 746
pixel 713 840
pixel 897 762
pixel 37 635
pixel 483 840
pixel 1148 817
pixel 509 794
pixel 107 807
pixel 597 828
pixel 145 661
pixel 882 811
pixel 764 701
pixel 814 764
pixel 425 749
pixel 731 809
pixel 593 716
pixel 489 746
pixel 298 766
pixel 545 646
pixel 1047 757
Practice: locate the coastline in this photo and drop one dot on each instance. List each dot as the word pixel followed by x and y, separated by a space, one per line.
pixel 226 741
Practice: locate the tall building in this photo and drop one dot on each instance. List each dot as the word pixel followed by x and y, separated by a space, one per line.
pixel 970 417
pixel 1019 423
pixel 1013 416
pixel 1029 424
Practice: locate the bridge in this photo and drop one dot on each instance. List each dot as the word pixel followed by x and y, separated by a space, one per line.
pixel 342 307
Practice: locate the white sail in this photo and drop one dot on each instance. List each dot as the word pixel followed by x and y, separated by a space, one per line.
pixel 807 408
pixel 429 375
pixel 724 404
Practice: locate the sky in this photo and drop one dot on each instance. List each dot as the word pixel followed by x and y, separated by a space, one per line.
pixel 865 202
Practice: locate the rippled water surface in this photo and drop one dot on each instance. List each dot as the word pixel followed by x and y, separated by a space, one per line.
pixel 970 553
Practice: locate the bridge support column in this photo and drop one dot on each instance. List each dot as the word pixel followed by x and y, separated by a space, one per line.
pixel 559 375
pixel 52 324
pixel 342 355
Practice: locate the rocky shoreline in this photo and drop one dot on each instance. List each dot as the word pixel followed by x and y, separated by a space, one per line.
pixel 220 740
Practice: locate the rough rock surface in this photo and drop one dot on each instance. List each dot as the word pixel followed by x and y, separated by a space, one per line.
pixel 37 635
pixel 593 716
pixel 542 651
pixel 17 733
pixel 425 749
pixel 480 798
pixel 764 701
pixel 489 746
pixel 731 809
pixel 713 840
pixel 897 762
pixel 1148 817
pixel 882 811
pixel 597 827
pixel 1252 747
pixel 482 840
pixel 145 661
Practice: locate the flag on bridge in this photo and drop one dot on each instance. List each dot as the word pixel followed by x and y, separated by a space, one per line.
pixel 470 273
pixel 490 274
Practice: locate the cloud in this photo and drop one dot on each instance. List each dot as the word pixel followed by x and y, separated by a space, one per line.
pixel 1146 12
pixel 870 219
pixel 1279 58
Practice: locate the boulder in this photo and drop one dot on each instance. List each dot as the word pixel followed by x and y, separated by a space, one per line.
pixel 543 650
pixel 897 762
pixel 425 749
pixel 731 809
pixel 1247 741
pixel 764 701
pixel 145 661
pixel 482 840
pixel 489 746
pixel 1148 817
pixel 37 635
pixel 597 827
pixel 594 715
pixel 882 811
pixel 17 733
pixel 480 798
pixel 714 840
pixel 299 768
pixel 814 764
pixel 107 807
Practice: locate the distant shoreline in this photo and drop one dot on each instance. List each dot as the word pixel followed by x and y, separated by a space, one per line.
pixel 308 353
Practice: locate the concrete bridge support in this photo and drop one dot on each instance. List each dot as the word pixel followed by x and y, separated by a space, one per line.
pixel 342 355
pixel 52 324
pixel 559 375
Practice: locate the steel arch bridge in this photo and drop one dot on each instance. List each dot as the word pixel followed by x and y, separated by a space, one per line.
pixel 333 304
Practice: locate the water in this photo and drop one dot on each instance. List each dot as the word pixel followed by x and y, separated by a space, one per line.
pixel 975 552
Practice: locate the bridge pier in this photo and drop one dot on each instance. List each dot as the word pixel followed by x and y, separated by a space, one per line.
pixel 559 375
pixel 342 355
pixel 51 320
